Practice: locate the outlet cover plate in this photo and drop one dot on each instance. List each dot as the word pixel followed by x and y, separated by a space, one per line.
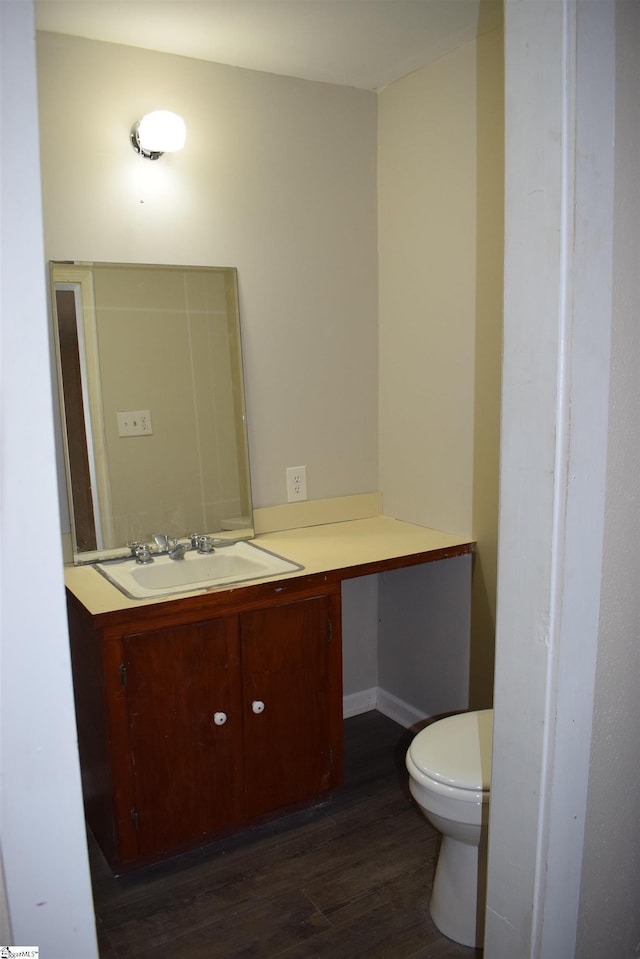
pixel 296 484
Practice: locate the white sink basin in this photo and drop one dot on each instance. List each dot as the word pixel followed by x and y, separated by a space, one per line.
pixel 233 563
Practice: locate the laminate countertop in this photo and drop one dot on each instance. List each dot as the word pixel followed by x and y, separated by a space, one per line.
pixel 330 552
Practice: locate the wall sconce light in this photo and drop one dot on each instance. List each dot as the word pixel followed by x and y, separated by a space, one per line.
pixel 157 133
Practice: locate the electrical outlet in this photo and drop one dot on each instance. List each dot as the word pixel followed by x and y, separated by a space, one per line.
pixel 296 483
pixel 134 423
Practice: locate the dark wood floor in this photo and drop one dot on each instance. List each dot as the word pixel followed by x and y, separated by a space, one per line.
pixel 348 879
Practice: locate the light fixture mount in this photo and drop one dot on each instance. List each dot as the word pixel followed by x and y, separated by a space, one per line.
pixel 157 133
pixel 134 137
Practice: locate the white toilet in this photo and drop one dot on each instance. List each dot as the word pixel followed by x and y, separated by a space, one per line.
pixel 449 767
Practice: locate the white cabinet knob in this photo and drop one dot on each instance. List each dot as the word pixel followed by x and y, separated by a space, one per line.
pixel 257 706
pixel 219 718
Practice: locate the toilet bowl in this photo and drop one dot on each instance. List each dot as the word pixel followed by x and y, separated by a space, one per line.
pixel 449 766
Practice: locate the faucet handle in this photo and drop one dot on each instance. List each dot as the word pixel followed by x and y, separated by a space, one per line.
pixel 202 542
pixel 143 553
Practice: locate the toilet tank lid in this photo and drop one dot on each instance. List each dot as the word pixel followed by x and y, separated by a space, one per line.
pixel 456 750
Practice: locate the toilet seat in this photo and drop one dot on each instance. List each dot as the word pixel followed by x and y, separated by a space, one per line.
pixel 453 756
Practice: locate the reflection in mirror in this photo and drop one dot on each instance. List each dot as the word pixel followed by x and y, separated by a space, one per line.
pixel 150 373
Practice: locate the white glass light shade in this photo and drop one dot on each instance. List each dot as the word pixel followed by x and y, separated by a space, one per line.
pixel 161 132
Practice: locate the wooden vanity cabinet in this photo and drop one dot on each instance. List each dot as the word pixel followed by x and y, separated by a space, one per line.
pixel 286 685
pixel 188 775
pixel 196 718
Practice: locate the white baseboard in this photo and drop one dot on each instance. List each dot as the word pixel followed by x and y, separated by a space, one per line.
pixel 396 709
pixel 389 705
pixel 361 702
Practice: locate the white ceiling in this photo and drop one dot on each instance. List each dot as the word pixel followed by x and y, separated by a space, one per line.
pixel 359 43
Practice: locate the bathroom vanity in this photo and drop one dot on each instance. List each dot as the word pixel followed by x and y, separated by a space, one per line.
pixel 208 686
pixel 200 714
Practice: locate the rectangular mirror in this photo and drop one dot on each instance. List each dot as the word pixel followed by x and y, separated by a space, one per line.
pixel 152 398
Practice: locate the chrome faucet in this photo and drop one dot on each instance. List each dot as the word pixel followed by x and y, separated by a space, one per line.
pixel 177 550
pixel 162 542
pixel 171 547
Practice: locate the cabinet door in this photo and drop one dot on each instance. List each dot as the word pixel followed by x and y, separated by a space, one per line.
pixel 286 673
pixel 185 722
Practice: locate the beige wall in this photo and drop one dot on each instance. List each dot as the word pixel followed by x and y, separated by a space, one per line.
pixel 487 361
pixel 278 178
pixel 441 181
pixel 427 227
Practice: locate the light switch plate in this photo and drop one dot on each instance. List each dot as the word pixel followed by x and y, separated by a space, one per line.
pixel 134 423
